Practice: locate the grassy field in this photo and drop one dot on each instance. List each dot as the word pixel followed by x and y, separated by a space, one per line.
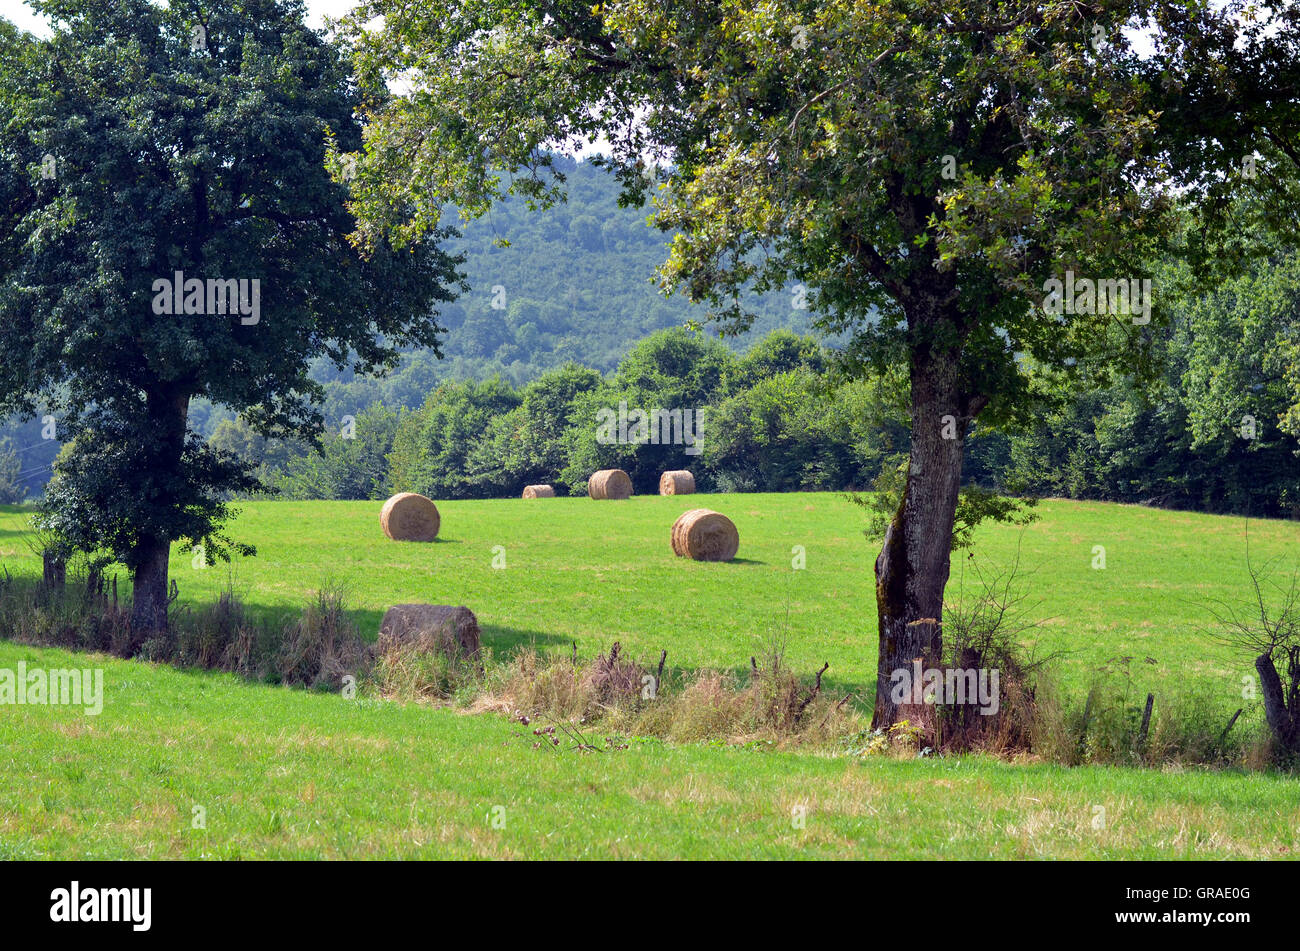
pixel 283 772
pixel 292 774
pixel 596 572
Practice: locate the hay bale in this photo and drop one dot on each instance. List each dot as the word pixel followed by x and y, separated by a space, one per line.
pixel 538 492
pixel 676 482
pixel 705 535
pixel 409 517
pixel 445 628
pixel 609 484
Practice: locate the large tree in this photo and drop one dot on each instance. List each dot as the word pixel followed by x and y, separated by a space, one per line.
pixel 924 168
pixel 142 147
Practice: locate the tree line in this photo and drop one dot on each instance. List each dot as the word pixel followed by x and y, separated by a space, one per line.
pixel 1217 431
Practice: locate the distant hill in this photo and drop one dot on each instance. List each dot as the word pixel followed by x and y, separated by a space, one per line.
pixel 578 284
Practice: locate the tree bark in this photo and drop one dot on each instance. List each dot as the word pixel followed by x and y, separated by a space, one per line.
pixel 54 570
pixel 149 588
pixel 912 568
pixel 1280 720
pixel 170 412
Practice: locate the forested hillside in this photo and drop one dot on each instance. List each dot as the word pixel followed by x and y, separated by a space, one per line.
pixel 570 284
pixel 576 287
pixel 576 284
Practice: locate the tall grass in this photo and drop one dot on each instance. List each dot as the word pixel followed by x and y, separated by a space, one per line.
pixel 625 696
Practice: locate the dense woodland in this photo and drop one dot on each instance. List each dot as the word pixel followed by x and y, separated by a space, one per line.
pixel 515 399
pixel 1216 432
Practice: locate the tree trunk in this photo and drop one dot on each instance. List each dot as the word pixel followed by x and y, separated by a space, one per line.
pixel 54 570
pixel 170 414
pixel 1281 720
pixel 149 591
pixel 912 568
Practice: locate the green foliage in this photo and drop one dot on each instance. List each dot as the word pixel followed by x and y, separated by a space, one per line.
pixel 567 297
pixel 528 444
pixel 798 430
pixel 101 500
pixel 921 168
pixel 976 505
pixel 673 370
pixel 268 456
pixel 12 490
pixel 351 463
pixel 431 447
pixel 200 158
pixel 1211 433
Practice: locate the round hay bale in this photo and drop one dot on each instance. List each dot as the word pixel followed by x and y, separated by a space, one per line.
pixel 538 492
pixel 609 484
pixel 442 628
pixel 705 535
pixel 409 517
pixel 676 482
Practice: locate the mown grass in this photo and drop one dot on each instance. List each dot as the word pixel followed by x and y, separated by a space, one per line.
pixel 287 773
pixel 290 773
pixel 596 572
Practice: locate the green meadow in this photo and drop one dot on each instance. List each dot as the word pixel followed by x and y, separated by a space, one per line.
pixel 283 773
pixel 280 772
pixel 597 572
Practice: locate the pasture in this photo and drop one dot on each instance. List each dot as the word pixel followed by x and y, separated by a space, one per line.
pixel 280 772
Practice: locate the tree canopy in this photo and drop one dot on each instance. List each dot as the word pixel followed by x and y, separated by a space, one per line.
pixel 936 172
pixel 170 232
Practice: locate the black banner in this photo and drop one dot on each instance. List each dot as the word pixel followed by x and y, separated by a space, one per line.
pixel 335 901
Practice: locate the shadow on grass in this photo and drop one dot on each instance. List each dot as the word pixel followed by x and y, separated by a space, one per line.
pixel 23 530
pixel 440 540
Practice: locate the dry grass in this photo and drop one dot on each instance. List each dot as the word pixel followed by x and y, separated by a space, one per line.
pixel 422 669
pixel 323 646
pixel 618 695
pixel 316 649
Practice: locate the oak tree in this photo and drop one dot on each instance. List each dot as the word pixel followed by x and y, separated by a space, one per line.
pixel 953 183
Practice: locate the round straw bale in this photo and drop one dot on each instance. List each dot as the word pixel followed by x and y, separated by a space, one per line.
pixel 609 484
pixel 705 536
pixel 408 517
pixel 440 628
pixel 676 482
pixel 538 492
